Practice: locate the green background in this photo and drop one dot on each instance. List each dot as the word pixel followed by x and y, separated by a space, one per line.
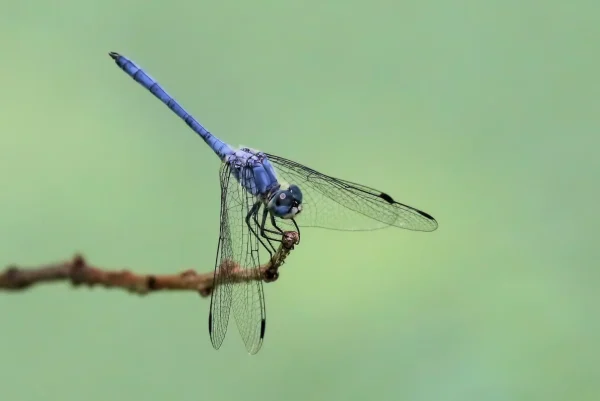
pixel 484 114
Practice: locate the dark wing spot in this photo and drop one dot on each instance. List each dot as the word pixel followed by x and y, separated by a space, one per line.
pixel 210 323
pixel 425 214
pixel 387 198
pixel 263 326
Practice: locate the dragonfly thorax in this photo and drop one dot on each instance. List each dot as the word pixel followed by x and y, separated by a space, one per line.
pixel 286 203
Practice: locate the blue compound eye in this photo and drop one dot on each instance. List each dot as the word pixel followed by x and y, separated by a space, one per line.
pixel 295 193
pixel 286 203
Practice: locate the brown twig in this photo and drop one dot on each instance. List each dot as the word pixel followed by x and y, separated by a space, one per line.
pixel 79 272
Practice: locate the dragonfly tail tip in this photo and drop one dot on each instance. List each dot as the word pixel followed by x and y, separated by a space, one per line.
pixel 114 55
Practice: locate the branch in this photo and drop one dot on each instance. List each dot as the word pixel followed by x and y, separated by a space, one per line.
pixel 79 272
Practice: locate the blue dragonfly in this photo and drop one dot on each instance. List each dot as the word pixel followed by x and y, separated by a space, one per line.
pixel 268 192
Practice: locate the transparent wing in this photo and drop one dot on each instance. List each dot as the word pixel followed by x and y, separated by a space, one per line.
pixel 237 254
pixel 338 204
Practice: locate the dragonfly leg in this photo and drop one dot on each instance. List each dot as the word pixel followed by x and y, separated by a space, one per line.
pixel 252 214
pixel 264 221
pixel 263 229
pixel 297 230
pixel 275 224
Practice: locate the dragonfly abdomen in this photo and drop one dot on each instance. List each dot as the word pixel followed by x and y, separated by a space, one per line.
pixel 219 147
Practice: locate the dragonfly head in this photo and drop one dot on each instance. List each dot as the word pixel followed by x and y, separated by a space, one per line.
pixel 286 203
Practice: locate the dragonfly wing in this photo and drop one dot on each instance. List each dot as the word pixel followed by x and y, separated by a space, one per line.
pixel 337 204
pixel 238 255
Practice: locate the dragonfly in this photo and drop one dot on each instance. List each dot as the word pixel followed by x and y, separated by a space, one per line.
pixel 260 194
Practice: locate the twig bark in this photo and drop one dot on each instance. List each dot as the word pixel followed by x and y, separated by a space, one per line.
pixel 79 272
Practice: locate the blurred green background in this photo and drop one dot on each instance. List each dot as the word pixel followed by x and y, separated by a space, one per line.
pixel 484 114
